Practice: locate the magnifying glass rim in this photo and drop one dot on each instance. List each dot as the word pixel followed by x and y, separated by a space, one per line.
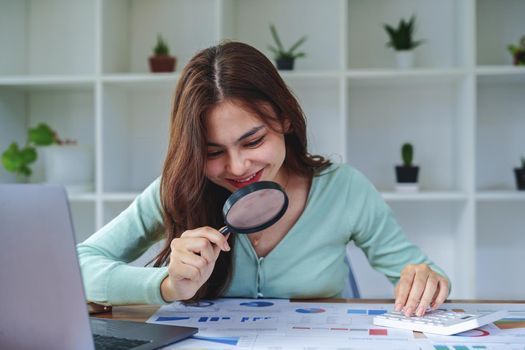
pixel 256 186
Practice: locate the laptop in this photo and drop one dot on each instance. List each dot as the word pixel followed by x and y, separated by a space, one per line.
pixel 42 301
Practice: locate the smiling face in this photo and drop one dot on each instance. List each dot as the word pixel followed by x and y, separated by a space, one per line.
pixel 242 148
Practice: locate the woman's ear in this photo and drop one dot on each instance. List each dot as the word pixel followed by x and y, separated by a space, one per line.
pixel 287 126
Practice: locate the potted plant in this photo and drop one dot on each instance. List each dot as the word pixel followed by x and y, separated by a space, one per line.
pixel 66 162
pixel 18 159
pixel 520 175
pixel 407 174
pixel 401 39
pixel 285 59
pixel 518 52
pixel 161 61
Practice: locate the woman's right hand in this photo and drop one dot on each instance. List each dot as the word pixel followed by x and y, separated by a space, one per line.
pixel 192 260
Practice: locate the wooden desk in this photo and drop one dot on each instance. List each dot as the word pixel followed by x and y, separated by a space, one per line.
pixel 141 313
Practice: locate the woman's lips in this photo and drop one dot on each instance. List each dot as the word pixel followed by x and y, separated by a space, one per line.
pixel 250 179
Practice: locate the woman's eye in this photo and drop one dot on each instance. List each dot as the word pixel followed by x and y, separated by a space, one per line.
pixel 214 154
pixel 255 142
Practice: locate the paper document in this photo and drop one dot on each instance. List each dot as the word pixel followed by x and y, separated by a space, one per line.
pixel 274 324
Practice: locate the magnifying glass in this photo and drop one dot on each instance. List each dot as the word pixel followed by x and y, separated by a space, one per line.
pixel 254 208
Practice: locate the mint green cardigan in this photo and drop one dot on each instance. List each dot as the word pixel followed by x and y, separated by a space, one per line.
pixel 308 262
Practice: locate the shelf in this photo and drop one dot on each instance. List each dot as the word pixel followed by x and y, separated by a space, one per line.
pixel 47 82
pixel 416 74
pixel 309 74
pixel 501 74
pixel 140 78
pixel 500 196
pixel 424 196
pixel 82 197
pixel 165 81
pixel 119 196
pixel 500 70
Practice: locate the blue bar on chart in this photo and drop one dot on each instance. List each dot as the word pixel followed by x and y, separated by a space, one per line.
pixel 212 319
pixel 459 347
pixel 357 311
pixel 221 340
pixel 376 312
pixel 171 318
pixel 365 312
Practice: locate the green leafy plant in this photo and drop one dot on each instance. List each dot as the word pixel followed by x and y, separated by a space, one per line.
pixel 280 52
pixel 401 38
pixel 523 162
pixel 17 159
pixel 407 154
pixel 161 48
pixel 518 52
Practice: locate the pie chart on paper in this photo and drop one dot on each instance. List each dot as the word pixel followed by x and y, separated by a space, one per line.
pixel 257 303
pixel 310 310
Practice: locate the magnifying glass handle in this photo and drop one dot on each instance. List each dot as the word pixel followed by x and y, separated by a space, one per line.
pixel 225 230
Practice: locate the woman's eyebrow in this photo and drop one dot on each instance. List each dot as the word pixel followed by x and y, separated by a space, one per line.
pixel 243 136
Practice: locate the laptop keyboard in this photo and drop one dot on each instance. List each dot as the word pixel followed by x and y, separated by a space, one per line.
pixel 103 342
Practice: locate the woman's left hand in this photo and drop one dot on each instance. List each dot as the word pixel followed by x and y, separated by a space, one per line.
pixel 420 288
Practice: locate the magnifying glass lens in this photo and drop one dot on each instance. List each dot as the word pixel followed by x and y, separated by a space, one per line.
pixel 255 207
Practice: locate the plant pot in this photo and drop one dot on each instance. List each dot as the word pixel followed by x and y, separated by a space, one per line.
pixel 520 178
pixel 405 59
pixel 407 178
pixel 519 58
pixel 284 63
pixel 162 63
pixel 70 166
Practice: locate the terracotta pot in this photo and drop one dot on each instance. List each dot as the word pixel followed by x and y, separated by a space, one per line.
pixel 162 63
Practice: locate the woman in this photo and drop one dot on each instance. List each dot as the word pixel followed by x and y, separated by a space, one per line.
pixel 234 122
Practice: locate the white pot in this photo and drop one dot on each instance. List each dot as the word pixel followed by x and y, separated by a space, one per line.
pixel 407 187
pixel 405 59
pixel 70 166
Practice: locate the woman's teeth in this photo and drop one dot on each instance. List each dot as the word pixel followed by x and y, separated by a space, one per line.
pixel 247 179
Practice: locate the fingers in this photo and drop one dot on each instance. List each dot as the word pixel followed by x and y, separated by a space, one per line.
pixel 428 295
pixel 420 288
pixel 211 234
pixel 416 290
pixel 199 245
pixel 403 287
pixel 192 260
pixel 193 255
pixel 442 293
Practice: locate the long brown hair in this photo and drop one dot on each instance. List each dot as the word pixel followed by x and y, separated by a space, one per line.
pixel 228 71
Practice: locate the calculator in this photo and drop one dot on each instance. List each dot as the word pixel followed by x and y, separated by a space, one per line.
pixel 439 321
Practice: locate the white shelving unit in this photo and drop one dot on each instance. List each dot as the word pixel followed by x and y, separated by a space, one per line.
pixel 81 66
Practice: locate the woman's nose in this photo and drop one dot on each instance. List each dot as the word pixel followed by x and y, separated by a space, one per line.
pixel 237 164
